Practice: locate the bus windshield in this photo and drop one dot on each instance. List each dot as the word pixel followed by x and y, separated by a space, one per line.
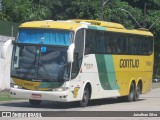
pixel 40 54
pixel 37 62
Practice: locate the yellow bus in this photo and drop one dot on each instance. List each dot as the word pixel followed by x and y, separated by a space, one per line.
pixel 80 60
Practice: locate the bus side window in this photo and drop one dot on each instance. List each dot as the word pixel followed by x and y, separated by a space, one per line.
pixel 108 49
pixel 100 44
pixel 90 41
pixel 147 45
pixel 117 48
pixel 78 52
pixel 142 47
pixel 88 48
pixel 150 39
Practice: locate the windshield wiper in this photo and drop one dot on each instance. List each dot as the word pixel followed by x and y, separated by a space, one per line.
pixel 30 66
pixel 41 65
pixel 63 72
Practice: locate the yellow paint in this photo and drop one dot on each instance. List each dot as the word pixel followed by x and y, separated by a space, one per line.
pixel 75 24
pixel 115 27
pixel 101 23
pixel 29 84
pixel 126 75
pixel 138 32
pixel 51 25
pixel 75 92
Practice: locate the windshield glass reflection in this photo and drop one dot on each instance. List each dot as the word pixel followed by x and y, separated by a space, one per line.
pixel 40 63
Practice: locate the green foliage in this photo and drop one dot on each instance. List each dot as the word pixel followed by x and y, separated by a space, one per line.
pixel 5 96
pixel 3 16
pixel 67 9
pixel 87 9
pixel 27 10
pixel 114 13
pixel 24 10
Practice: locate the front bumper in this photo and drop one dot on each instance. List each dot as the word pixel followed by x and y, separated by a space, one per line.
pixel 42 95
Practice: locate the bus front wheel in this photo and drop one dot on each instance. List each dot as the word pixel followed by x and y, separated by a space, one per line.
pixel 35 102
pixel 85 98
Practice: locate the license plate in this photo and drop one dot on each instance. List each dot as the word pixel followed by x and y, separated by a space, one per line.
pixel 36 95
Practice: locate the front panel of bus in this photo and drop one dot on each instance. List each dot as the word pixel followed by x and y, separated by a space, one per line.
pixel 39 61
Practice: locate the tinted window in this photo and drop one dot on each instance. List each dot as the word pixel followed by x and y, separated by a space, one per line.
pixel 78 52
pixel 103 42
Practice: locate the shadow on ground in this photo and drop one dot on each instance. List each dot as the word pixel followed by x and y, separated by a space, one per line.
pixel 58 105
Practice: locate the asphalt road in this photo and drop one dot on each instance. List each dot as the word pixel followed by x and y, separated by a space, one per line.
pixel 147 102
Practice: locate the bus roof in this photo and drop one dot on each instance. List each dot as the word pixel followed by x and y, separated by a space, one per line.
pixel 91 24
pixel 101 23
pixel 66 25
pixel 115 27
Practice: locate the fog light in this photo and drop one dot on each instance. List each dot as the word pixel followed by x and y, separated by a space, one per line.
pixel 64 96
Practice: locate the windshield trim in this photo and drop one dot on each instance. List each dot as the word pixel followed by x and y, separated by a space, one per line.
pixel 39 45
pixel 39 80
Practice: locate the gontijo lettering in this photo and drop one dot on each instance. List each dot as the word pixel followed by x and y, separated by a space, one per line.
pixel 129 63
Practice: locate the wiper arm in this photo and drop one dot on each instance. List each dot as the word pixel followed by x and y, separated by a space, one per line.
pixel 40 64
pixel 29 68
pixel 63 72
pixel 44 68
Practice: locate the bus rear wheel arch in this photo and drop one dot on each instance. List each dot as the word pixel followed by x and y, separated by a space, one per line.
pixel 134 92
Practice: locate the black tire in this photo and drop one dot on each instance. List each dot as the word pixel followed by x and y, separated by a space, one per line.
pixel 35 102
pixel 130 97
pixel 86 97
pixel 137 92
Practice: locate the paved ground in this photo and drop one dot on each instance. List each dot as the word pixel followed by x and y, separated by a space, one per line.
pixel 156 85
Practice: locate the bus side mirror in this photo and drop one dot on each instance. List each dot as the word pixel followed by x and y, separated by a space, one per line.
pixel 70 55
pixel 5 48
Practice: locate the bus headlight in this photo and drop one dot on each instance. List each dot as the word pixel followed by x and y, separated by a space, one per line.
pixel 60 89
pixel 15 86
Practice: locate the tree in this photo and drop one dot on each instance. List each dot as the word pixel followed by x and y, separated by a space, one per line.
pixel 67 9
pixel 113 13
pixel 24 10
pixel 150 19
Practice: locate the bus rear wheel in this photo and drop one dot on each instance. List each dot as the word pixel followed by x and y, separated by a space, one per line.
pixel 131 95
pixel 35 102
pixel 137 92
pixel 85 98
